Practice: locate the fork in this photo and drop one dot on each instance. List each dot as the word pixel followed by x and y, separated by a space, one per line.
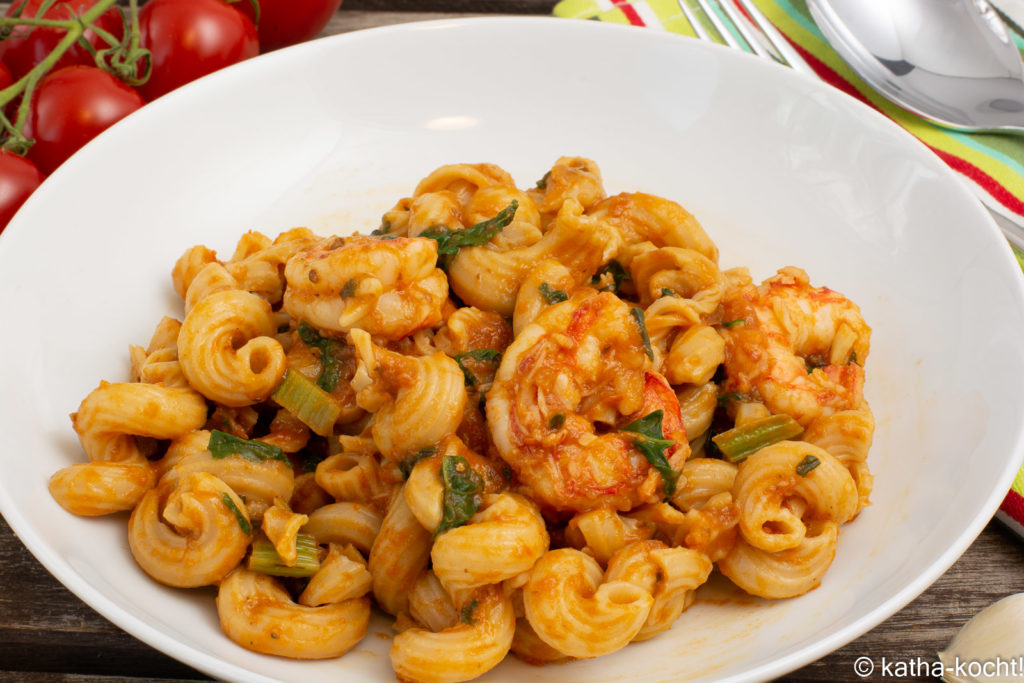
pixel 722 22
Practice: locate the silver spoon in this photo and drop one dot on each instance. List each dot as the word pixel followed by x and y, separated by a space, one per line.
pixel 949 61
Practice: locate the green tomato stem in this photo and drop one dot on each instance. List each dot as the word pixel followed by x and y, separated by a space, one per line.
pixel 26 84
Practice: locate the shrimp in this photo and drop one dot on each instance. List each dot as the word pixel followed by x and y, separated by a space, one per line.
pixel 390 288
pixel 797 348
pixel 566 386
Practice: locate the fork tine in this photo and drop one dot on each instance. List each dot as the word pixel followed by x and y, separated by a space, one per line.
pixel 744 29
pixel 695 23
pixel 778 41
pixel 720 26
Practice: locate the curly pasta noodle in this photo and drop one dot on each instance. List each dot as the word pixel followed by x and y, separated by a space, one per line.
pixel 514 419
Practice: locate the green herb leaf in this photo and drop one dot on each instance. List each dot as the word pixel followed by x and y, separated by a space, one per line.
pixel 462 486
pixel 223 444
pixel 243 523
pixel 450 241
pixel 805 466
pixel 348 290
pixel 650 440
pixel 557 421
pixel 330 350
pixel 617 272
pixel 665 291
pixel 542 184
pixel 466 613
pixel 407 464
pixel 733 323
pixel 483 355
pixel 728 398
pixel 552 296
pixel 638 316
pixel 385 228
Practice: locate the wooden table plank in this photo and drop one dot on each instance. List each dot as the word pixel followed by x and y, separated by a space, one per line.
pixel 47 634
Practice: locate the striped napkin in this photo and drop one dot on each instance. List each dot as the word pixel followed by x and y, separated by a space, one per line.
pixel 992 163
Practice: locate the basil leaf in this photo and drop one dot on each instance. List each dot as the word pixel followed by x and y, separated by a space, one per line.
pixel 466 614
pixel 618 273
pixel 223 444
pixel 462 486
pixel 805 466
pixel 483 355
pixel 650 440
pixel 552 296
pixel 557 421
pixel 638 316
pixel 407 465
pixel 330 351
pixel 450 241
pixel 243 523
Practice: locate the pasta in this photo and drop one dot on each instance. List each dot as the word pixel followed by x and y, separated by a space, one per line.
pixel 516 420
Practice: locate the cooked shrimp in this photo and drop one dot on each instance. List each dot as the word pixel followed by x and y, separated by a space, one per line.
pixel 390 288
pixel 565 387
pixel 799 349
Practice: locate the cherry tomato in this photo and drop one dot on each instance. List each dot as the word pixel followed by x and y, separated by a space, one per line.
pixel 27 46
pixel 19 178
pixel 287 22
pixel 71 107
pixel 6 79
pixel 192 38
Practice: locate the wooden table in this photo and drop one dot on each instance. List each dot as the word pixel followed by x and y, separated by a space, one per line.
pixel 47 634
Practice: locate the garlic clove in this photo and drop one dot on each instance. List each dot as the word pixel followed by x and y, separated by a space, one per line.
pixel 989 647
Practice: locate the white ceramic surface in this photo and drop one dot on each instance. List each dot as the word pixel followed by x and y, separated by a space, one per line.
pixel 780 170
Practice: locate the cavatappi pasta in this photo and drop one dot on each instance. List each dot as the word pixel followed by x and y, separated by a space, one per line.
pixel 529 420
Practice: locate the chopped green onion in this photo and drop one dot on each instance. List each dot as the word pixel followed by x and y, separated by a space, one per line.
pixel 542 184
pixel 650 440
pixel 552 296
pixel 733 323
pixel 222 445
pixel 805 466
pixel 557 421
pixel 739 442
pixel 462 486
pixel 727 398
pixel 243 522
pixel 638 316
pixel 385 228
pixel 407 465
pixel 466 614
pixel 483 355
pixel 665 291
pixel 313 406
pixel 264 558
pixel 450 241
pixel 330 352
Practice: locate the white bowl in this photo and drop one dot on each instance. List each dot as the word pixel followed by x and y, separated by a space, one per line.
pixel 780 170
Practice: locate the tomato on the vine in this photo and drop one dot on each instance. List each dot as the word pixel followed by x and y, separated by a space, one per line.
pixel 27 45
pixel 287 22
pixel 71 107
pixel 191 38
pixel 19 178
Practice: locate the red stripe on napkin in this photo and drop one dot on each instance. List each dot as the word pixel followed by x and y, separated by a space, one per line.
pixel 629 12
pixel 1013 505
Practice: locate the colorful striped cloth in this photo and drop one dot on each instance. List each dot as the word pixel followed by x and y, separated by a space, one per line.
pixel 994 163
